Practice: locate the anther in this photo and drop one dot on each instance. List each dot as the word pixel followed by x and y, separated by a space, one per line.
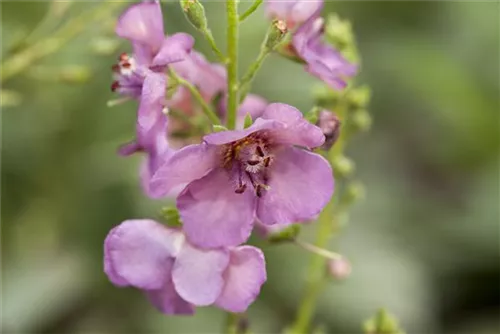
pixel 115 85
pixel 260 152
pixel 241 189
pixel 253 162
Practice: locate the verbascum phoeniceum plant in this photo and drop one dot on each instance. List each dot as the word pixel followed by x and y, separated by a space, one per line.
pixel 233 161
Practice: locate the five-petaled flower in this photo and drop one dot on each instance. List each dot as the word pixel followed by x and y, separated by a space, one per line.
pixel 176 275
pixel 236 176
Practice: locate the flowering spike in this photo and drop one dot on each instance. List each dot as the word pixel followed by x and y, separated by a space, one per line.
pixel 195 13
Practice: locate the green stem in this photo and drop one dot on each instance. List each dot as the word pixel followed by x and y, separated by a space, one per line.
pixel 23 59
pixel 207 33
pixel 328 225
pixel 250 10
pixel 232 62
pixel 207 110
pixel 246 81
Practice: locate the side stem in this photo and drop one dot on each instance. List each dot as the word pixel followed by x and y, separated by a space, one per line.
pixel 232 62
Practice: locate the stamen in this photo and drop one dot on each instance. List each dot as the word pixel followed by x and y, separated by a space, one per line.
pixel 260 152
pixel 267 161
pixel 115 85
pixel 241 188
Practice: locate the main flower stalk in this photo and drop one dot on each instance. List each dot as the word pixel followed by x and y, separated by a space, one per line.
pixel 232 62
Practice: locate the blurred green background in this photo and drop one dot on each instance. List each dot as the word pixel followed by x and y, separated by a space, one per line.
pixel 424 243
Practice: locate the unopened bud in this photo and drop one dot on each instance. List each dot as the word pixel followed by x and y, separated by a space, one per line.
pixel 75 74
pixel 329 124
pixel 343 166
pixel 275 34
pixel 339 32
pixel 361 120
pixel 359 97
pixel 195 13
pixel 382 322
pixel 354 192
pixel 339 269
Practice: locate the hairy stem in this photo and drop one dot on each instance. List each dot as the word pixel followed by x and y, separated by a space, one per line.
pixel 232 62
pixel 250 10
pixel 207 33
pixel 247 79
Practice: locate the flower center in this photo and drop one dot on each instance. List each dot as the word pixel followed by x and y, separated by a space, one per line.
pixel 125 72
pixel 248 160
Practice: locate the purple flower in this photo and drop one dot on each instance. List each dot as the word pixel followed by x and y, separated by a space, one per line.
pixel 236 176
pixel 142 76
pixel 293 12
pixel 177 276
pixel 329 123
pixel 253 105
pixel 322 60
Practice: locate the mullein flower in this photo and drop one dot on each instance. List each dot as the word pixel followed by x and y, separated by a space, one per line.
pixel 293 12
pixel 142 76
pixel 176 275
pixel 236 176
pixel 322 60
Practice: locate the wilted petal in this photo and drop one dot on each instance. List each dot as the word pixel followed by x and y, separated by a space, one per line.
pixel 168 301
pixel 224 137
pixel 213 214
pixel 197 274
pixel 174 48
pixel 138 253
pixel 189 163
pixel 297 130
pixel 152 102
pixel 142 23
pixel 243 278
pixel 301 185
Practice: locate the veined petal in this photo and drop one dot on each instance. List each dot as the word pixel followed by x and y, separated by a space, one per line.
pixel 142 23
pixel 301 184
pixel 213 215
pixel 188 164
pixel 197 274
pixel 173 49
pixel 296 129
pixel 138 253
pixel 243 279
pixel 168 301
pixel 225 137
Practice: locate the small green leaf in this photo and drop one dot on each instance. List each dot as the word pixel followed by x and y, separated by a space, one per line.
pixel 170 216
pixel 219 128
pixel 248 121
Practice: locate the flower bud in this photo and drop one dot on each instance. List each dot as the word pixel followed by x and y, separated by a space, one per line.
pixel 329 123
pixel 339 269
pixel 361 120
pixel 275 34
pixel 359 97
pixel 343 166
pixel 195 13
pixel 324 95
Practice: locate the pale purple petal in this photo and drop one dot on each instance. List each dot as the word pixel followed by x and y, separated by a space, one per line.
pixel 174 48
pixel 197 274
pixel 189 163
pixel 243 279
pixel 297 130
pixel 301 185
pixel 152 102
pixel 213 215
pixel 138 253
pixel 225 137
pixel 142 23
pixel 168 301
pixel 294 12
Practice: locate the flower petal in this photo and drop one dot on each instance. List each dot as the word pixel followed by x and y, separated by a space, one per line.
pixel 224 137
pixel 152 102
pixel 189 163
pixel 138 253
pixel 243 279
pixel 213 214
pixel 168 301
pixel 296 129
pixel 173 49
pixel 301 185
pixel 197 274
pixel 142 23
